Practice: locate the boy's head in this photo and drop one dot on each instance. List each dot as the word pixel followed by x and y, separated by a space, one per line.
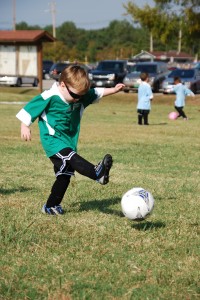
pixel 144 76
pixel 177 80
pixel 75 79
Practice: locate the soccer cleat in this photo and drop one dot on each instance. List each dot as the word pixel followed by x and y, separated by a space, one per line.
pixel 59 209
pixel 55 210
pixel 103 169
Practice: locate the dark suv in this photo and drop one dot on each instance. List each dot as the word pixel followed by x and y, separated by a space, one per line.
pixel 57 68
pixel 46 68
pixel 108 73
pixel 157 71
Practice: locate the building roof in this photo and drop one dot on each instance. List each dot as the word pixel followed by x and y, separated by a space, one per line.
pixel 25 36
pixel 171 53
pixel 144 54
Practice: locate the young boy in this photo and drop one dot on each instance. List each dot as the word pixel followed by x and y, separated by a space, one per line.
pixel 181 92
pixel 59 111
pixel 145 96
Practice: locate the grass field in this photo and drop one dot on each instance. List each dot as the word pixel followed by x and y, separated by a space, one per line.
pixel 92 251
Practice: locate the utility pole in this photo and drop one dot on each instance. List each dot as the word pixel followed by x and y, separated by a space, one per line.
pixel 180 37
pixel 151 41
pixel 14 15
pixel 53 14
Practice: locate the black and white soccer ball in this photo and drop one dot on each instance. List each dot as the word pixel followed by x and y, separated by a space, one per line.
pixel 137 204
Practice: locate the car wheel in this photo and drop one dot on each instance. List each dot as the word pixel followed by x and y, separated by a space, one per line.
pixel 19 82
pixel 194 89
pixel 35 83
pixel 126 91
pixel 156 87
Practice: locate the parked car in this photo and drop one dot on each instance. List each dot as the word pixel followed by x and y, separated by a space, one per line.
pixel 157 73
pixel 108 73
pixel 196 65
pixel 18 80
pixel 57 68
pixel 189 77
pixel 46 68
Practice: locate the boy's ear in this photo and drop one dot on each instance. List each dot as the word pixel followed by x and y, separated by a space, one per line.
pixel 62 84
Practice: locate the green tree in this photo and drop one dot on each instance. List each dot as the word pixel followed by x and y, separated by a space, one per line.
pixel 147 17
pixel 25 26
pixel 67 33
pixel 188 14
pixel 56 51
pixel 118 40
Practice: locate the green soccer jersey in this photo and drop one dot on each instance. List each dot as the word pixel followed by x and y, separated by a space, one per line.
pixel 59 121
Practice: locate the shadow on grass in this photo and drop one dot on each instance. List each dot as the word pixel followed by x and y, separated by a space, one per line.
pixel 146 225
pixel 101 205
pixel 26 91
pixel 104 206
pixel 10 191
pixel 158 124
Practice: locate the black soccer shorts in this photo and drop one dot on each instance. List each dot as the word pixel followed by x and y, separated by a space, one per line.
pixel 61 162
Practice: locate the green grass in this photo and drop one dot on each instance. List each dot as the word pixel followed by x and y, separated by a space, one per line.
pixel 93 252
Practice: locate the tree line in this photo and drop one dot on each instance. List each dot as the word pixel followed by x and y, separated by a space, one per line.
pixel 169 25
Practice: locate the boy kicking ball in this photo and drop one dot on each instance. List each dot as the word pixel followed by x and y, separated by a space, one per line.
pixel 59 111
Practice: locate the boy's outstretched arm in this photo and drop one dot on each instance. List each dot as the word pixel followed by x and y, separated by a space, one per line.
pixel 25 132
pixel 191 94
pixel 114 90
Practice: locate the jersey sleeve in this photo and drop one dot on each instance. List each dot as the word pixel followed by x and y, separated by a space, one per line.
pixel 32 110
pixel 188 92
pixel 92 96
pixel 150 94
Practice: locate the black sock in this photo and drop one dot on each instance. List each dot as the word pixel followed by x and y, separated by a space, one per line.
pixel 140 119
pixel 58 190
pixel 83 166
pixel 146 119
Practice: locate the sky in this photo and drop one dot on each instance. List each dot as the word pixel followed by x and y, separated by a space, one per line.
pixel 86 14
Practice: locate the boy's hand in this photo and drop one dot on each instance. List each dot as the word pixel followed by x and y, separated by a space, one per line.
pixel 119 87
pixel 113 90
pixel 25 132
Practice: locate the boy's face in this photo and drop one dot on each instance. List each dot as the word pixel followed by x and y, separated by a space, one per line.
pixel 70 94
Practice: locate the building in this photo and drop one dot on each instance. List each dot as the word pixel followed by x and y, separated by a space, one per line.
pixel 171 57
pixel 21 52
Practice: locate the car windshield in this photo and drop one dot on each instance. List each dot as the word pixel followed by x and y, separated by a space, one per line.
pixel 47 63
pixel 183 73
pixel 59 66
pixel 110 66
pixel 144 68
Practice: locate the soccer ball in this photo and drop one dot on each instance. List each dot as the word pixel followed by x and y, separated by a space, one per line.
pixel 173 115
pixel 137 204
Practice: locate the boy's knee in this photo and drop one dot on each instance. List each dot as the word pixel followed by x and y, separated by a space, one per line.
pixel 63 178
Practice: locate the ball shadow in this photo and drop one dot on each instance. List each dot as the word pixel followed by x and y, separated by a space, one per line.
pixel 104 207
pixel 147 225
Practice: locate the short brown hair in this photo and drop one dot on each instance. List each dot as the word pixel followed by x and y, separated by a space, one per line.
pixel 77 77
pixel 177 79
pixel 144 76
